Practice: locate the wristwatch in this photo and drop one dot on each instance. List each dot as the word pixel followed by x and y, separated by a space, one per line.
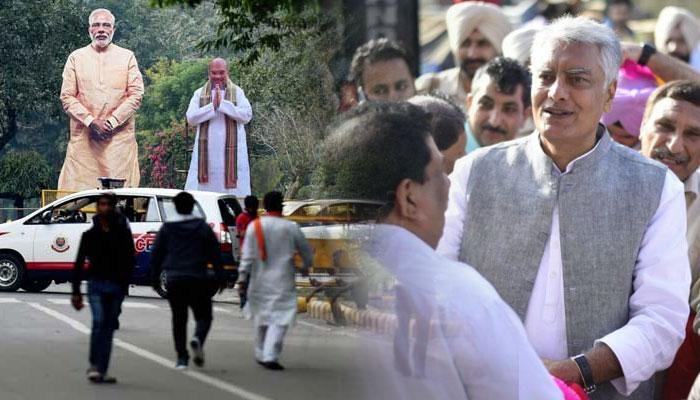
pixel 586 373
pixel 647 51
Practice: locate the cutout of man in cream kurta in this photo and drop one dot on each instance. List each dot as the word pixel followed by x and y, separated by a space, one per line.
pixel 102 89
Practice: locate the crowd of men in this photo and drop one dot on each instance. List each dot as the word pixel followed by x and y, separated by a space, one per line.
pixel 576 200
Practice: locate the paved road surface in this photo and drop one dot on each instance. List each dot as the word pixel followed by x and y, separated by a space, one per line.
pixel 44 342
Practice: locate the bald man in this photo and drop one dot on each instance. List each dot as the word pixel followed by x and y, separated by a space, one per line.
pixel 220 111
pixel 475 31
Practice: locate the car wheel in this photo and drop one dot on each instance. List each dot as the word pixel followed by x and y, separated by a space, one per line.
pixel 161 288
pixel 11 273
pixel 35 285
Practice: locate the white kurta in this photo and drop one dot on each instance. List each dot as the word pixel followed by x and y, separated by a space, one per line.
pixel 482 345
pixel 272 298
pixel 242 113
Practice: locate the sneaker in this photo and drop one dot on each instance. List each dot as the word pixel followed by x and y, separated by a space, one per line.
pixel 92 374
pixel 197 351
pixel 273 365
pixel 181 364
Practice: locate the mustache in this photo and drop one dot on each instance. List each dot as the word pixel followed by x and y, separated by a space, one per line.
pixel 662 153
pixel 487 126
pixel 467 63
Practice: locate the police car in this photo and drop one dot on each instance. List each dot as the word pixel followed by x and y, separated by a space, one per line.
pixel 42 247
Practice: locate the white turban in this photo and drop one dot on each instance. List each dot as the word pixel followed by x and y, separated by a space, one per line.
pixel 669 18
pixel 517 44
pixel 463 18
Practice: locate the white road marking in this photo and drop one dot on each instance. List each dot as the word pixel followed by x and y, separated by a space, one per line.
pixel 162 361
pixel 223 310
pixel 59 301
pixel 8 300
pixel 133 304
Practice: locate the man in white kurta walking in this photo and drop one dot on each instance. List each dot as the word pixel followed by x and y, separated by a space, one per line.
pixel 268 259
pixel 220 157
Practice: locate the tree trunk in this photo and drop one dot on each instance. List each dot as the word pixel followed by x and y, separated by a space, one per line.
pixel 19 205
pixel 293 189
pixel 11 132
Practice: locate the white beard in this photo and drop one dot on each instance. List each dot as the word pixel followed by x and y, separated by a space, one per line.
pixel 102 43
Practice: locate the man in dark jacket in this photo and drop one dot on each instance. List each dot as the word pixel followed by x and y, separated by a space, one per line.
pixel 183 249
pixel 109 247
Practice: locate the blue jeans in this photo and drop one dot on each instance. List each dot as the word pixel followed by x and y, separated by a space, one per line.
pixel 105 299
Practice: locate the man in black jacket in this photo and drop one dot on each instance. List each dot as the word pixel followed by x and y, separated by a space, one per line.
pixel 183 248
pixel 109 247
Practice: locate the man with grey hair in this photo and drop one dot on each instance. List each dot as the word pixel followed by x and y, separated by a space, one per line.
pixel 102 89
pixel 583 237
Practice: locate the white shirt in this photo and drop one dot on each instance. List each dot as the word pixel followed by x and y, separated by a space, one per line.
pixel 242 113
pixel 658 305
pixel 490 353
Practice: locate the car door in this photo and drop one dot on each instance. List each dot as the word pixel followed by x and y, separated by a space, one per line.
pixel 57 237
pixel 145 221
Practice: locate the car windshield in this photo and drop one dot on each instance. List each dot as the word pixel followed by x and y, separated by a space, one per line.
pixel 167 208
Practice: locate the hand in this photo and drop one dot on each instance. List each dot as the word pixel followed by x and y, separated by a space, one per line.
pixel 77 301
pixel 242 288
pixel 217 97
pixel 101 125
pixel 566 370
pixel 631 51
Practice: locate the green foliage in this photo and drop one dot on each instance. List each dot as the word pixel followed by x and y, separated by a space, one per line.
pixel 291 90
pixel 24 174
pixel 35 40
pixel 167 98
pixel 253 25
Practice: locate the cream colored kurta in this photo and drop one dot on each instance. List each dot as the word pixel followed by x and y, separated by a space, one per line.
pixel 105 85
pixel 447 82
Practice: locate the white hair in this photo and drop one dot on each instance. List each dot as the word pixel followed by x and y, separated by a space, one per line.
pixel 97 11
pixel 580 30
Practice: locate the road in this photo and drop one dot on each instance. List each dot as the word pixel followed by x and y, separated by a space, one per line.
pixel 44 343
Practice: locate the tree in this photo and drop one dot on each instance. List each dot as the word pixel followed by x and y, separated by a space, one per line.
pixel 168 95
pixel 253 25
pixel 35 39
pixel 292 93
pixel 23 175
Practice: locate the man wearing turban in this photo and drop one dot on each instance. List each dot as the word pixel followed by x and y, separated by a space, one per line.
pixel 475 30
pixel 678 34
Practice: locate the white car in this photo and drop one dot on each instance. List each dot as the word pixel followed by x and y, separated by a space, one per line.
pixel 42 247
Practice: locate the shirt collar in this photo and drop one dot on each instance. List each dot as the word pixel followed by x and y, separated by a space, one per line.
pixel 545 163
pixel 692 186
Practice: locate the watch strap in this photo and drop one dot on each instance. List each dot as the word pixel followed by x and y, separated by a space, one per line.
pixel 586 373
pixel 647 51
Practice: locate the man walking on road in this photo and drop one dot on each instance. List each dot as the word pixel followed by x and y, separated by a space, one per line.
pixel 109 247
pixel 183 249
pixel 242 221
pixel 268 259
